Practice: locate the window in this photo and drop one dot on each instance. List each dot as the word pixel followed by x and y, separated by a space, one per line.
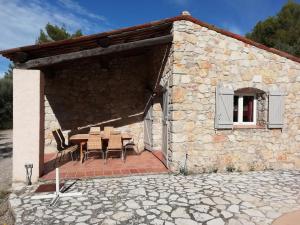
pixel 244 109
pixel 248 106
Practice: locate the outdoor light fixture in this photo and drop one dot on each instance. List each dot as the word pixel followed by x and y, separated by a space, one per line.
pixel 28 167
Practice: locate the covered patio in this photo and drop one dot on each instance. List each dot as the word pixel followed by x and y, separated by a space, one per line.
pixel 145 163
pixel 115 79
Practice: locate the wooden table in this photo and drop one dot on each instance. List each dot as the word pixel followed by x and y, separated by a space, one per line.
pixel 82 139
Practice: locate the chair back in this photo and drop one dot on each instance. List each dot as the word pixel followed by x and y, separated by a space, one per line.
pixel 95 130
pixel 58 140
pixel 115 141
pixel 94 142
pixel 108 130
pixel 62 138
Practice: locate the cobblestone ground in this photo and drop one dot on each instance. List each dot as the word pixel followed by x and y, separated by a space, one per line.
pixel 211 199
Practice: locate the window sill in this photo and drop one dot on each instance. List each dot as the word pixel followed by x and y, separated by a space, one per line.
pixel 249 127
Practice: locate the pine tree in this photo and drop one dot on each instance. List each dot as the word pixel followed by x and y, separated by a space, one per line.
pixel 281 31
pixel 51 33
pixel 56 33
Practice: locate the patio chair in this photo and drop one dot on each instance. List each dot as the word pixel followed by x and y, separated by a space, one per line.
pixel 62 148
pixel 108 130
pixel 95 130
pixel 62 138
pixel 115 145
pixel 132 145
pixel 94 144
pixel 64 145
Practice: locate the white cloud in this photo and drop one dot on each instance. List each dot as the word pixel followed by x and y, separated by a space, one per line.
pixel 75 7
pixel 20 21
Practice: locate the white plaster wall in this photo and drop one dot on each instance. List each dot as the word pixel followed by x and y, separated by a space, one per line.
pixel 28 123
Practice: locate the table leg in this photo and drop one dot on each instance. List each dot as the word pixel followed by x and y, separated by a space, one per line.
pixel 81 151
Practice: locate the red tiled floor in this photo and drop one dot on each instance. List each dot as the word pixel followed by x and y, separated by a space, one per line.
pixel 146 162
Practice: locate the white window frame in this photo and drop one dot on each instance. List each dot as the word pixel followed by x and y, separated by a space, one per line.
pixel 240 109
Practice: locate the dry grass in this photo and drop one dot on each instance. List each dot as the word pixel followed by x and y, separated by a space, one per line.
pixel 3 195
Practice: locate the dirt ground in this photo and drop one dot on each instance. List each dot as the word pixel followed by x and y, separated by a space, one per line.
pixel 5 159
pixel 6 216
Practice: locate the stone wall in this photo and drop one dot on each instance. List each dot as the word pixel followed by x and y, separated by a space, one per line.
pixel 204 58
pixel 98 92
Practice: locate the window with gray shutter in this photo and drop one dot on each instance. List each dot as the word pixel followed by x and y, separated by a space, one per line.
pixel 224 108
pixel 276 109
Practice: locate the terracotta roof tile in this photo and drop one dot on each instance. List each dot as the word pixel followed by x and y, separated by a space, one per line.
pixel 10 53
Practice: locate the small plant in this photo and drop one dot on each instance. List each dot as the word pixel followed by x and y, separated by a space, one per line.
pixel 3 195
pixel 215 170
pixel 252 168
pixel 230 168
pixel 266 168
pixel 183 171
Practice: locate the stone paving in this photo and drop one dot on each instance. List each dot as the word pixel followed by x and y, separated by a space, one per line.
pixel 208 199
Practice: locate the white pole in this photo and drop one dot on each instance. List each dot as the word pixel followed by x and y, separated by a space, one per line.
pixel 57 180
pixel 55 196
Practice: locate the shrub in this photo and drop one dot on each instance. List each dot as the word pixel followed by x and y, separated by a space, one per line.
pixel 230 168
pixel 6 103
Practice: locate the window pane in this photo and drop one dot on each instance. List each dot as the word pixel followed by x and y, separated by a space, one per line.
pixel 248 108
pixel 235 108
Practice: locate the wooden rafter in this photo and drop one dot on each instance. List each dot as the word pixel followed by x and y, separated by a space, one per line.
pixel 99 51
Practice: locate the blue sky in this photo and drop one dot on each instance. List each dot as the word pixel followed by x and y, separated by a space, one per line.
pixel 20 21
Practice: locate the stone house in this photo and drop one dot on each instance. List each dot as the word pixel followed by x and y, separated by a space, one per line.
pixel 201 95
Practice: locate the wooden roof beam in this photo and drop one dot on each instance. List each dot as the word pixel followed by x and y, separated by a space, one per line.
pixel 99 51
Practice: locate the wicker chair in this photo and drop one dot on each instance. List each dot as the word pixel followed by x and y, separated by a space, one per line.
pixel 115 145
pixel 108 130
pixel 94 144
pixel 62 148
pixel 95 130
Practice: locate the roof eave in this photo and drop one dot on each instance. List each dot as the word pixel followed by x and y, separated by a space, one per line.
pixel 8 53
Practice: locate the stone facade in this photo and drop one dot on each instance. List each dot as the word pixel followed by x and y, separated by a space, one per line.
pixel 117 92
pixel 94 92
pixel 202 59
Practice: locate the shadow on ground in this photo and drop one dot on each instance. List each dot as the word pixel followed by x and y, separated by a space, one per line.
pixel 5 144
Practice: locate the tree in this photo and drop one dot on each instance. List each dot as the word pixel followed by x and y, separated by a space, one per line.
pixel 6 102
pixel 51 33
pixel 281 31
pixel 8 73
pixel 56 33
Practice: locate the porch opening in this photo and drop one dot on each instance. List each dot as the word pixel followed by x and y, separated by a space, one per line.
pixel 122 91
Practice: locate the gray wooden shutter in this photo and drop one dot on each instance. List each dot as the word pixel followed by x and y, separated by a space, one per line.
pixel 224 108
pixel 276 109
